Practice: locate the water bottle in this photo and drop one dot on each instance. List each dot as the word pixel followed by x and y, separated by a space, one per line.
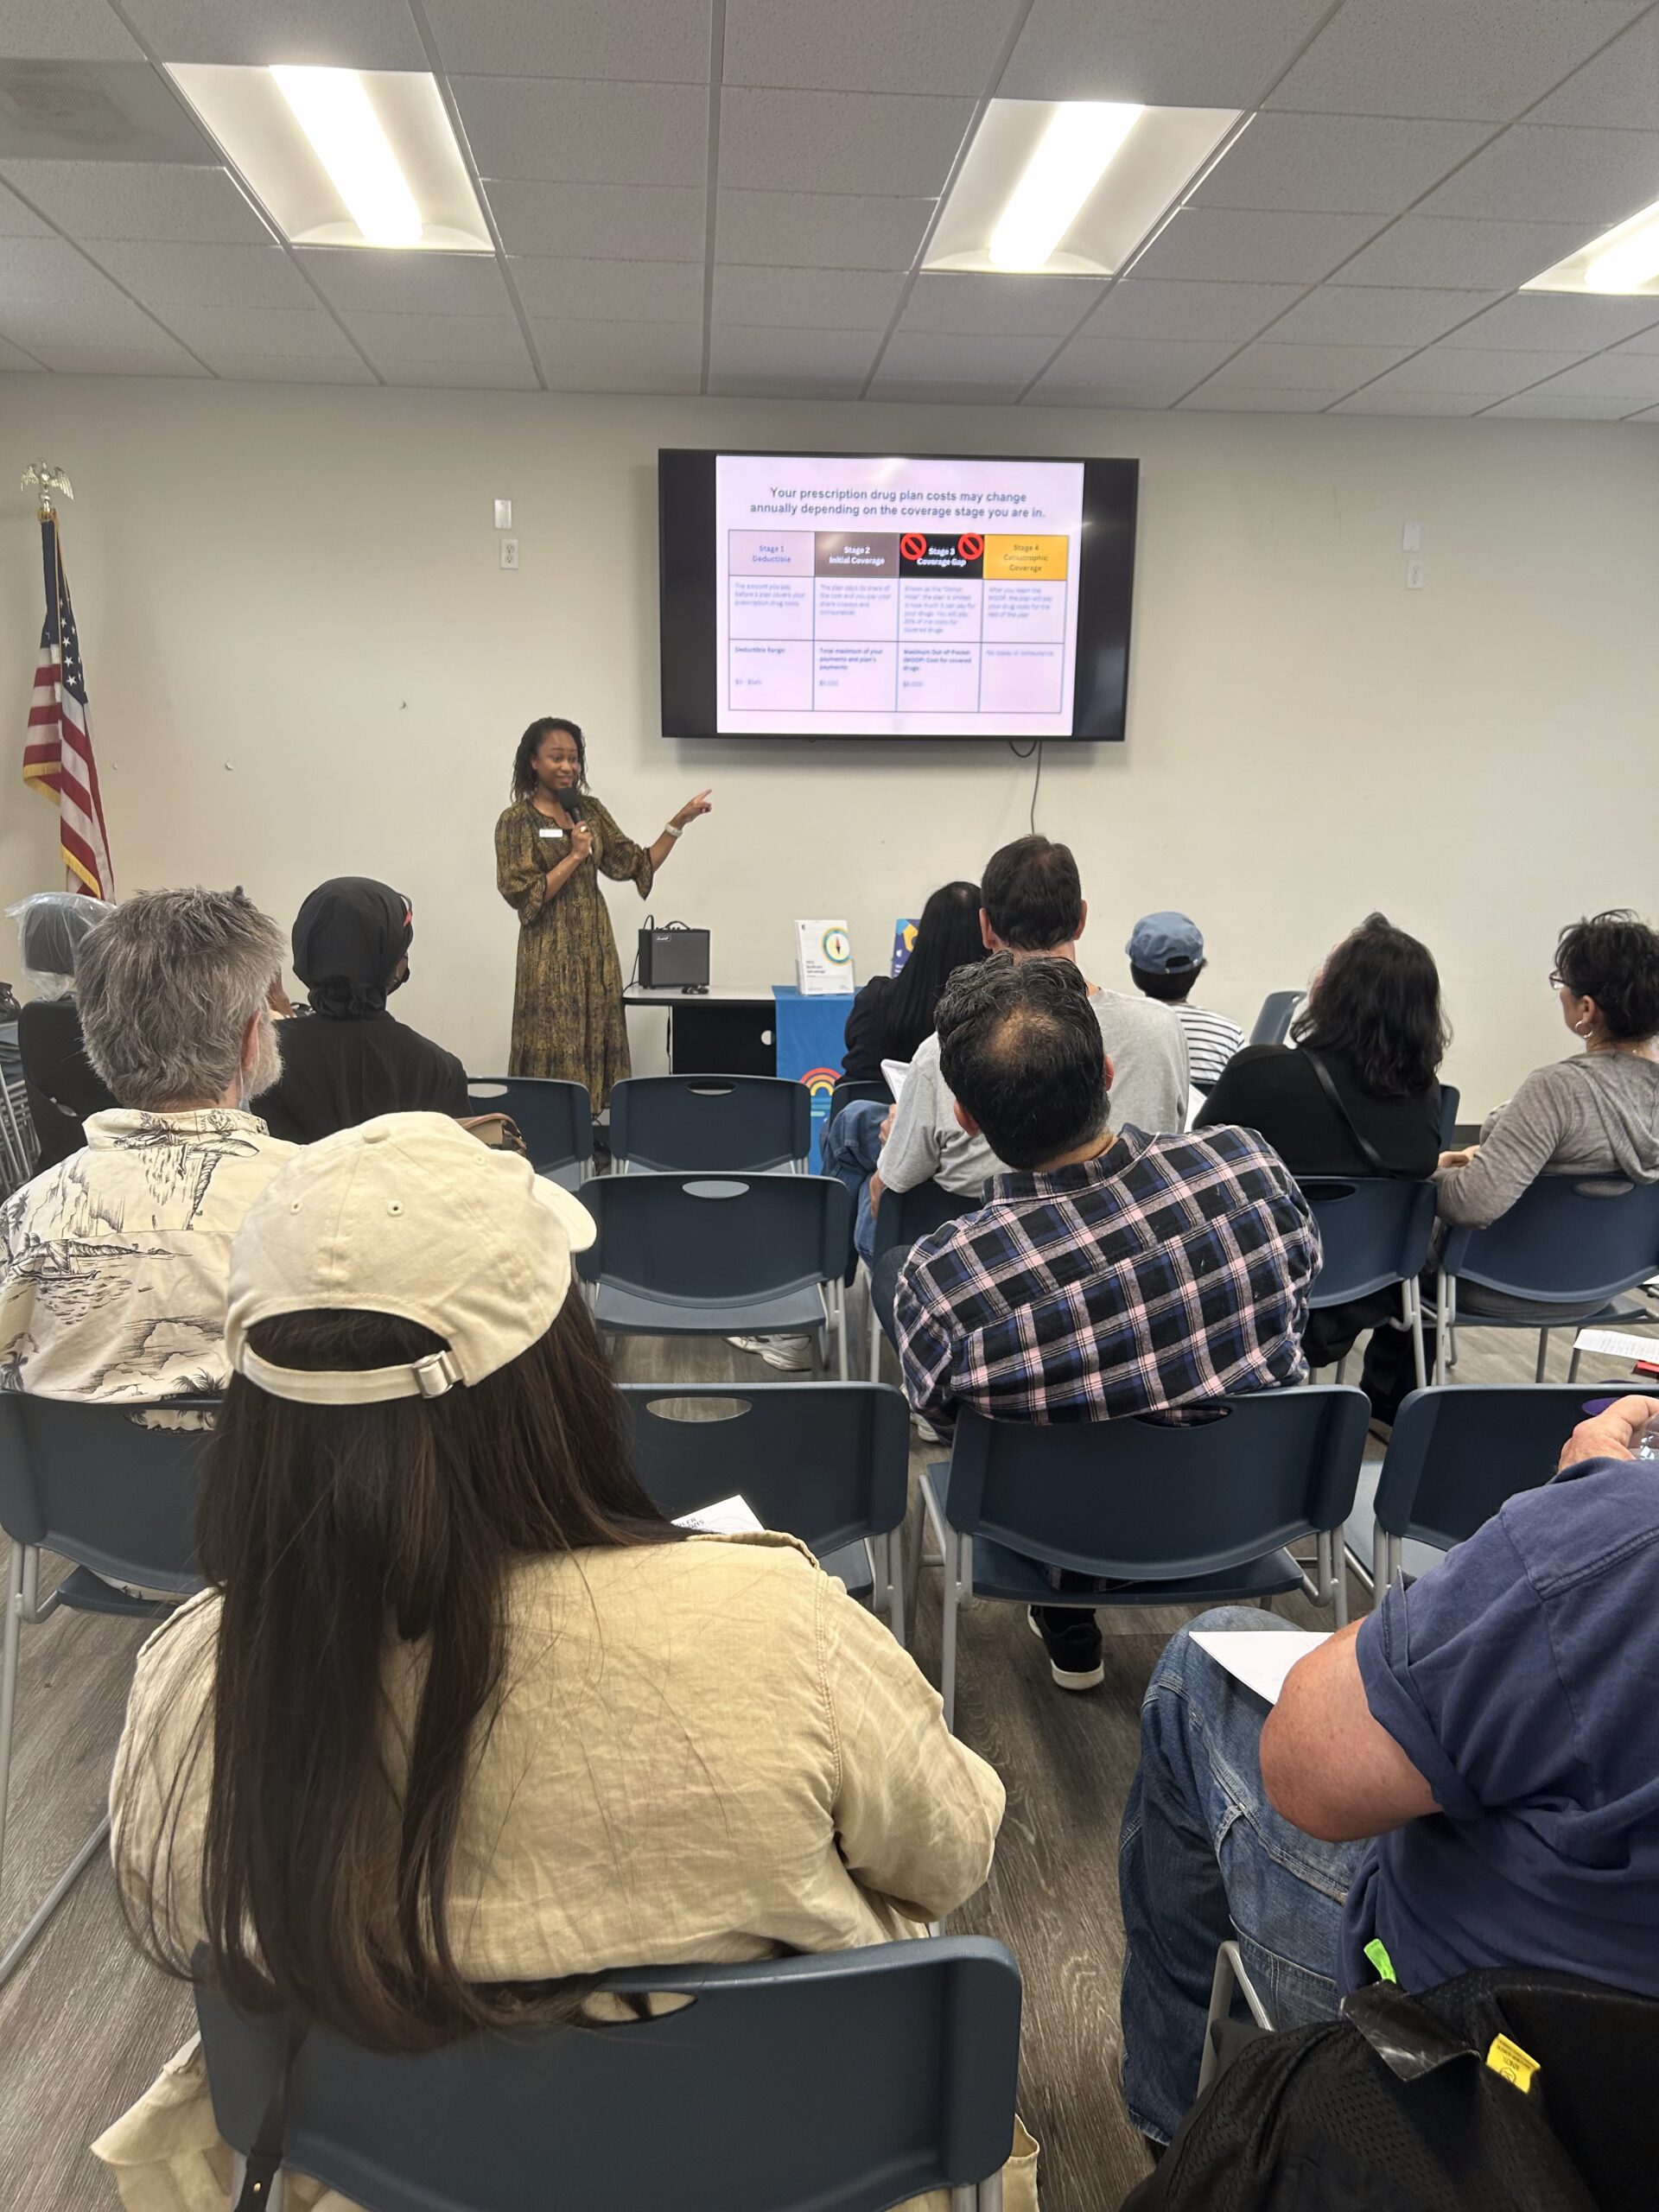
pixel 1647 1445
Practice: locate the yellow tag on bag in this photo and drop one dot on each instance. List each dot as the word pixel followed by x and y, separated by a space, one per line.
pixel 1515 2065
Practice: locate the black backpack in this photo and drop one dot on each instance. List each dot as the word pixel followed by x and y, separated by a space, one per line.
pixel 1394 2108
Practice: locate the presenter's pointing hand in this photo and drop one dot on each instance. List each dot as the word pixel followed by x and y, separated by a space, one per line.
pixel 701 805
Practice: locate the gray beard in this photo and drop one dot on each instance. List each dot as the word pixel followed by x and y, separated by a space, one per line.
pixel 267 1070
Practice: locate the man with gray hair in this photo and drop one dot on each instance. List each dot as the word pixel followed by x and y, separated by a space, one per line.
pixel 113 1264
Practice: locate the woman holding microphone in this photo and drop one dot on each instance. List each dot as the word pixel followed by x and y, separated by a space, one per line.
pixel 551 846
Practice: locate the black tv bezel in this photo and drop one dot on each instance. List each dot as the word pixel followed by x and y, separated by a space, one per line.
pixel 687 632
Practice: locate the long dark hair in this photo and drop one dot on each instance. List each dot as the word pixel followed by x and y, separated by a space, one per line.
pixel 524 770
pixel 1377 1001
pixel 947 938
pixel 333 1534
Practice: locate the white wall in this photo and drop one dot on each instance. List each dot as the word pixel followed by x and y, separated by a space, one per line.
pixel 304 661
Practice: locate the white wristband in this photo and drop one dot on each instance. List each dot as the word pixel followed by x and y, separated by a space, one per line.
pixel 669 830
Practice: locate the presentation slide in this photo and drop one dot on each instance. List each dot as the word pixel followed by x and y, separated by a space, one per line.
pixel 896 597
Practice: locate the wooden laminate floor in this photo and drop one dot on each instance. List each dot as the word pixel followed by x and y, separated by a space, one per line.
pixel 85 2023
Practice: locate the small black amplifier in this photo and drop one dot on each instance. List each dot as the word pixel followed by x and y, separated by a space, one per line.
pixel 675 959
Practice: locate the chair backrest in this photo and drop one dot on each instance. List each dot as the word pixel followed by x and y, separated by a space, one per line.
pixel 903 1216
pixel 708 1238
pixel 828 1462
pixel 843 2082
pixel 92 1483
pixel 1451 1099
pixel 1456 1453
pixel 556 1120
pixel 853 1087
pixel 1273 1023
pixel 1152 1499
pixel 1562 1241
pixel 689 1123
pixel 1374 1232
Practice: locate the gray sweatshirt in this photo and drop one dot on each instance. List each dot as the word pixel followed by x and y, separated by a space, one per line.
pixel 1597 1114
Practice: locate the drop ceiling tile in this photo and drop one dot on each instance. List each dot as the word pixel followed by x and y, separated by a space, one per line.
pixel 1609 373
pixel 908 393
pixel 17 221
pixel 963 301
pixel 954 357
pixel 806 299
pixel 1646 341
pixel 1575 320
pixel 1143 393
pixel 665 40
pixel 1137 307
pixel 1547 405
pixel 218 275
pixel 465 340
pixel 725 387
pixel 1447 368
pixel 1650 415
pixel 330 33
pixel 153 201
pixel 621 356
pixel 1375 400
pixel 1528 175
pixel 1484 60
pixel 1174 53
pixel 568 130
pixel 819 230
pixel 108 320
pixel 13 358
pixel 289 368
pixel 736 351
pixel 1140 371
pixel 407 283
pixel 629 222
pixel 1619 89
pixel 1376 314
pixel 51 272
pixel 287 333
pixel 1225 243
pixel 159 360
pixel 1335 164
pixel 610 291
pixel 1207 400
pixel 454 376
pixel 864 143
pixel 1436 250
pixel 64 30
pixel 1268 368
pixel 866 46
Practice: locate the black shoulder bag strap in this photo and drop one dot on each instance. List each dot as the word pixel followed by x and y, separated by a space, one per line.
pixel 1368 1151
pixel 265 2159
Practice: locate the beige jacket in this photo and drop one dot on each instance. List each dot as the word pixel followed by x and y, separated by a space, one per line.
pixel 705 1752
pixel 113 1265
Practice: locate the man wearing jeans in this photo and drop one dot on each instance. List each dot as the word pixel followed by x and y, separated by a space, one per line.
pixel 1469 1777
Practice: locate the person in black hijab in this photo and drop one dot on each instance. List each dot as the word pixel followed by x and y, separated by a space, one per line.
pixel 349 1060
pixel 59 1081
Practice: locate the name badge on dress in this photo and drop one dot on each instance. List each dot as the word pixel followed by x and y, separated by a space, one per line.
pixel 554 832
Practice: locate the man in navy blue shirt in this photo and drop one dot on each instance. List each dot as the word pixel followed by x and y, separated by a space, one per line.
pixel 1468 1777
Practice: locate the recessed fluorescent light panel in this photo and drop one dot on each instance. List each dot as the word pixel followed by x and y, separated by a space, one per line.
pixel 354 157
pixel 1623 260
pixel 1071 187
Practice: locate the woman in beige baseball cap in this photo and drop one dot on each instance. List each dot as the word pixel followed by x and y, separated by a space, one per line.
pixel 460 1710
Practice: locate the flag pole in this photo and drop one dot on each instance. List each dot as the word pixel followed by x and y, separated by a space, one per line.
pixel 42 480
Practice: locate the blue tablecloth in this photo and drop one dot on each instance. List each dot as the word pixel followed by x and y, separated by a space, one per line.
pixel 811 1036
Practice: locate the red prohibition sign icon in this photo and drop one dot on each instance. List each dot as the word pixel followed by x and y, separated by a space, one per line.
pixel 971 547
pixel 912 547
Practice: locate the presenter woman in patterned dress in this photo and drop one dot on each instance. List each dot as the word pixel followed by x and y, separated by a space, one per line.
pixel 551 846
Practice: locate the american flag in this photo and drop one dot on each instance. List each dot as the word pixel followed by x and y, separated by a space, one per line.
pixel 58 752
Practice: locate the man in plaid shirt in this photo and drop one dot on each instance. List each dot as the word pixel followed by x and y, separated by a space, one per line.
pixel 1112 1273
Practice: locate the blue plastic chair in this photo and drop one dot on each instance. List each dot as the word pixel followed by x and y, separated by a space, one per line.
pixel 903 1217
pixel 698 1125
pixel 1376 1234
pixel 1278 1011
pixel 828 1462
pixel 843 2081
pixel 1196 1512
pixel 1559 1245
pixel 705 1255
pixel 1451 1099
pixel 1454 1456
pixel 555 1119
pixel 91 1484
pixel 851 1088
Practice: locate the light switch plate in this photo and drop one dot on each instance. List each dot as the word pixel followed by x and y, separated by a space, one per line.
pixel 503 514
pixel 1413 541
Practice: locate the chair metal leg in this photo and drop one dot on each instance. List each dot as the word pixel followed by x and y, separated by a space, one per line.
pixel 1342 1368
pixel 1412 1300
pixel 1572 1365
pixel 987 2197
pixel 948 1638
pixel 53 1898
pixel 14 1622
pixel 842 1366
pixel 1339 1561
pixel 1230 1976
pixel 896 1616
pixel 1543 1355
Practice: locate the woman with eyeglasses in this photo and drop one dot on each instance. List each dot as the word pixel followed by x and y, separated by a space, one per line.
pixel 551 846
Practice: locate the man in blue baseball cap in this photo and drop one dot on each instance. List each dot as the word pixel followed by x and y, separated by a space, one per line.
pixel 1165 953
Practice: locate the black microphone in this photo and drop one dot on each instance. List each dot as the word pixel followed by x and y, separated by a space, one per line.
pixel 571 801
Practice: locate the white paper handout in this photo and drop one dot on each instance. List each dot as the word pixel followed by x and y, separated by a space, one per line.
pixel 1259 1658
pixel 727 1516
pixel 1612 1344
pixel 893 1073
